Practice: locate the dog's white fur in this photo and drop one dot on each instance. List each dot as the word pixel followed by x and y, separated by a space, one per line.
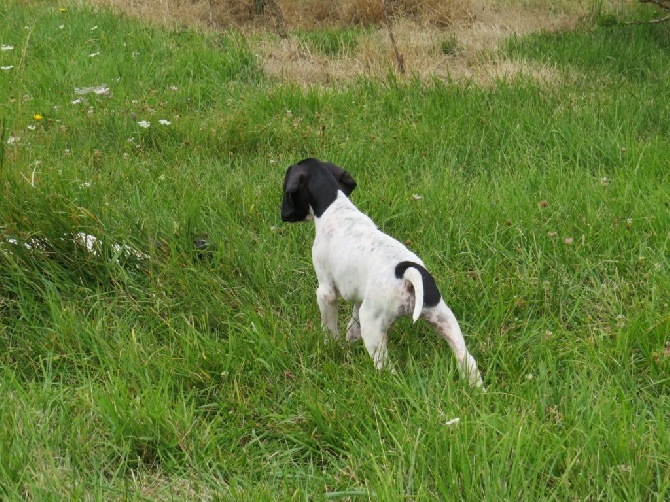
pixel 355 260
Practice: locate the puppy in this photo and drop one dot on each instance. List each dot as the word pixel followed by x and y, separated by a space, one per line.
pixel 355 260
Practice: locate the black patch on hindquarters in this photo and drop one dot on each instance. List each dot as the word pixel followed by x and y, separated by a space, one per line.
pixel 431 295
pixel 313 183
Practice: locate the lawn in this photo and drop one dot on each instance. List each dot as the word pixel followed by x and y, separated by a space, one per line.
pixel 541 205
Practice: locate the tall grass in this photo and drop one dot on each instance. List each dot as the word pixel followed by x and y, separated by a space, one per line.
pixel 542 209
pixel 225 13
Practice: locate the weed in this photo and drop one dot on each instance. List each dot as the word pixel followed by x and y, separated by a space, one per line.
pixel 449 46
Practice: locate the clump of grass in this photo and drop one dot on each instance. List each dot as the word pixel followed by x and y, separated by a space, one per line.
pixel 332 42
pixel 449 46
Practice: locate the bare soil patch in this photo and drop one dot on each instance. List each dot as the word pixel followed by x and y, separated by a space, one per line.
pixel 437 38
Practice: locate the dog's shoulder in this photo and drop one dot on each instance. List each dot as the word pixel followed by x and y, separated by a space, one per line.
pixel 344 213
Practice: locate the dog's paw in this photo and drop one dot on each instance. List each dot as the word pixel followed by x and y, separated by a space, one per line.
pixel 353 332
pixel 353 335
pixel 477 383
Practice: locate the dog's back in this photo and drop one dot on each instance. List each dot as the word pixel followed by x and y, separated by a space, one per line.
pixel 353 253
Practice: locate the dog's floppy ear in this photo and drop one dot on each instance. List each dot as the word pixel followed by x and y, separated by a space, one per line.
pixel 295 205
pixel 344 179
pixel 294 178
pixel 347 183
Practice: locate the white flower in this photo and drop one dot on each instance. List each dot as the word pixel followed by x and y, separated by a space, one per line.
pixel 99 89
pixel 416 196
pixel 61 26
pixel 86 240
pixel 13 139
pixel 453 421
pixel 76 101
pixel 94 28
pixel 164 122
pixel 6 47
pixel 6 67
pixel 31 127
pixel 145 124
pixel 94 54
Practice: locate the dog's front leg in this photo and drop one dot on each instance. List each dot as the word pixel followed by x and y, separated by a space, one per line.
pixel 354 326
pixel 326 297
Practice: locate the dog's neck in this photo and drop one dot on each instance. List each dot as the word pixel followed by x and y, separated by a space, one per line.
pixel 337 205
pixel 323 193
pixel 341 209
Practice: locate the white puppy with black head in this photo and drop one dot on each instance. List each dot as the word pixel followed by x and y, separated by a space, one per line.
pixel 355 260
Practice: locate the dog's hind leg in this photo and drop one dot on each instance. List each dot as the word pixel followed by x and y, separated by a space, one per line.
pixel 444 321
pixel 354 326
pixel 326 297
pixel 373 332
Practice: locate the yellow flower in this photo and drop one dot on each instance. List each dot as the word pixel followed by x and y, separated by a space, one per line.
pixel 63 9
pixel 37 116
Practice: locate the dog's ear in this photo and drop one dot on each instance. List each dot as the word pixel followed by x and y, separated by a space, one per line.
pixel 295 205
pixel 344 179
pixel 347 183
pixel 294 178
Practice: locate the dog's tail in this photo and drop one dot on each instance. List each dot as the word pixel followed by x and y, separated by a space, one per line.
pixel 426 293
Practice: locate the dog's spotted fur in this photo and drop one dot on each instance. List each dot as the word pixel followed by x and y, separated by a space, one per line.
pixel 355 260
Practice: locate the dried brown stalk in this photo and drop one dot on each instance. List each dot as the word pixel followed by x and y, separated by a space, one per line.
pixel 399 57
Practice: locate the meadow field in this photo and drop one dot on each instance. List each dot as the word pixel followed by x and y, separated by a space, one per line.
pixel 530 171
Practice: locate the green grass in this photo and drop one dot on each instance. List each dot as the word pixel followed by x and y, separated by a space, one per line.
pixel 331 42
pixel 544 214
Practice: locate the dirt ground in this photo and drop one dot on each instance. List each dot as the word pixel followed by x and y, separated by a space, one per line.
pixel 436 38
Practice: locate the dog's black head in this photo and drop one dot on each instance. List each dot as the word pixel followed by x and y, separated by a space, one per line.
pixel 312 184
